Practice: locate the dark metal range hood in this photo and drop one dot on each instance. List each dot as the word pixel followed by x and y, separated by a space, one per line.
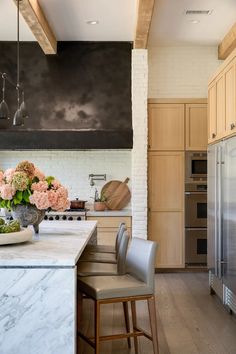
pixel 79 98
pixel 66 140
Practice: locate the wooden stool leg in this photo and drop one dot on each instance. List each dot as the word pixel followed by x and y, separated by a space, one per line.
pixel 127 324
pixel 134 320
pixel 153 323
pixel 97 325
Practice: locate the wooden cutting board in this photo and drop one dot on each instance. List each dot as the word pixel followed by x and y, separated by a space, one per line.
pixel 117 194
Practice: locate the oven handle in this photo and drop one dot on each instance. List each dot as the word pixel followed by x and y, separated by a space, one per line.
pixel 194 193
pixel 196 228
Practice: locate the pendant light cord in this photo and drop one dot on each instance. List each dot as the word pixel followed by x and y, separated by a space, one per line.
pixel 18 54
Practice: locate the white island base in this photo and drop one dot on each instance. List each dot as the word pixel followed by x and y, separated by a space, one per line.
pixel 38 290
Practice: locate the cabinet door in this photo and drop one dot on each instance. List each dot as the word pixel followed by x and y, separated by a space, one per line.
pixel 220 107
pixel 166 127
pixel 212 113
pixel 196 127
pixel 167 229
pixel 230 98
pixel 166 181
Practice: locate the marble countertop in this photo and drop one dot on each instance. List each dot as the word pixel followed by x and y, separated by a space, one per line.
pixel 58 244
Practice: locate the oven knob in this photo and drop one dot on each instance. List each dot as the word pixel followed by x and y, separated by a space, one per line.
pixel 50 218
pixel 70 218
pixel 45 217
pixel 79 218
pixel 57 217
pixel 64 217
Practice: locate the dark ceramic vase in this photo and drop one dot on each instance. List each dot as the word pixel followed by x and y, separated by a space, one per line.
pixel 28 215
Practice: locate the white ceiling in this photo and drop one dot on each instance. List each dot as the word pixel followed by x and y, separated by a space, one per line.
pixel 68 20
pixel 170 26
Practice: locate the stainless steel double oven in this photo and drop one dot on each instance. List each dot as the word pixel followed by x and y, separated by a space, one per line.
pixel 196 208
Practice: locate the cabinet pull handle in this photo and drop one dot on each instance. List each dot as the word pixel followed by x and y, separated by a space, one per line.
pixel 213 135
pixel 232 126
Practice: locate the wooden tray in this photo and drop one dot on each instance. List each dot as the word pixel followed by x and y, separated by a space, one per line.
pixel 117 194
pixel 16 237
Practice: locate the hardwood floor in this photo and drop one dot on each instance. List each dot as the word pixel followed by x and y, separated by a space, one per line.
pixel 190 320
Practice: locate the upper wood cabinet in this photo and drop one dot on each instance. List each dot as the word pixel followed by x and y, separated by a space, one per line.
pixel 196 126
pixel 166 127
pixel 222 101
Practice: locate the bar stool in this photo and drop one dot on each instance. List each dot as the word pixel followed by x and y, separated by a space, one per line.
pixel 136 284
pixel 106 248
pixel 103 257
pixel 91 268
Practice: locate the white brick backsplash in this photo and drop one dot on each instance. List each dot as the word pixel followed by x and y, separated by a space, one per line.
pixel 73 167
pixel 181 72
pixel 139 152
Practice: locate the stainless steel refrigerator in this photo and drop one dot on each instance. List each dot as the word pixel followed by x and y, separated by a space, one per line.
pixel 222 220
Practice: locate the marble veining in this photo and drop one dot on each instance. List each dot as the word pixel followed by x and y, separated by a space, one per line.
pixel 58 244
pixel 37 311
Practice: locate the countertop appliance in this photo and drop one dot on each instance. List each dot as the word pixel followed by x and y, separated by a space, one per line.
pixel 222 220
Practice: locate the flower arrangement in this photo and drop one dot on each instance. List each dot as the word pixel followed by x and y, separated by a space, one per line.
pixel 27 185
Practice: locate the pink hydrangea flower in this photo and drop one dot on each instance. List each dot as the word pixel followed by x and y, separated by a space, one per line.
pixel 39 174
pixel 8 175
pixel 56 184
pixel 52 197
pixel 7 191
pixel 40 186
pixel 40 200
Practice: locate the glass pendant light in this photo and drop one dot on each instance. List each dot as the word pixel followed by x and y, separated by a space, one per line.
pixel 4 111
pixel 21 111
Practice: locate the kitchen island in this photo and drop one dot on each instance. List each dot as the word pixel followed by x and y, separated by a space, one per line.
pixel 38 289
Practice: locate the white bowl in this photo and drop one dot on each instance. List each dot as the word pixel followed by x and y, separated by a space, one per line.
pixel 16 237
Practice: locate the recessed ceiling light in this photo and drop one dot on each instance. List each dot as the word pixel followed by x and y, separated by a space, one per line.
pixel 194 21
pixel 92 22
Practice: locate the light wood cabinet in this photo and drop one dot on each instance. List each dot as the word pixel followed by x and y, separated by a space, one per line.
pixel 166 207
pixel 107 227
pixel 166 181
pixel 222 101
pixel 167 229
pixel 166 127
pixel 196 126
pixel 212 128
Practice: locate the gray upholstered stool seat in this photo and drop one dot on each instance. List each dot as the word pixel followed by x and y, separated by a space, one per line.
pixel 90 268
pixel 101 248
pixel 105 287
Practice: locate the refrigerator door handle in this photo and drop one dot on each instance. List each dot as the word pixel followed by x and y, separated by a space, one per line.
pixel 219 216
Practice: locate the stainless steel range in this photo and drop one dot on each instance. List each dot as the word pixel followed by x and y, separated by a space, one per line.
pixel 67 215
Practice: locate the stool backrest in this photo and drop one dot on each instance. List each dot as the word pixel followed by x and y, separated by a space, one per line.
pixel 121 256
pixel 119 235
pixel 141 259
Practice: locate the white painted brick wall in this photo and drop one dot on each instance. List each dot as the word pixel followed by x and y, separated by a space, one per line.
pixel 139 152
pixel 180 72
pixel 73 167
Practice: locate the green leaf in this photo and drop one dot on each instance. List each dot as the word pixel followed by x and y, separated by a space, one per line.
pixel 26 195
pixel 49 179
pixel 18 196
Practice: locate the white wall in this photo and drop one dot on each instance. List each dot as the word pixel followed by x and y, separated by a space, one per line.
pixel 139 152
pixel 180 72
pixel 73 167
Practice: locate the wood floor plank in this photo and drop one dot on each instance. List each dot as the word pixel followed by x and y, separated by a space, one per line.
pixel 190 320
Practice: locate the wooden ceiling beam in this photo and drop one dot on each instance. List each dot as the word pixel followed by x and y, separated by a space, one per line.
pixel 228 44
pixel 145 11
pixel 37 22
